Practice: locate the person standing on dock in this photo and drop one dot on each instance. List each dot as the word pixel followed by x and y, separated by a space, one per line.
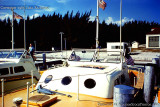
pixel 31 50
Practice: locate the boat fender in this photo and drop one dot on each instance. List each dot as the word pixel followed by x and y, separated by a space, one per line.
pixel 40 89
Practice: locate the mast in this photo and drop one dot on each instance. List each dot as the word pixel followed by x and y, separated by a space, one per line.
pixel 97 26
pixel 121 31
pixel 120 24
pixel 12 29
pixel 24 27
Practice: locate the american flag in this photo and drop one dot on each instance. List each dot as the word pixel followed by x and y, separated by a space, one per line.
pixel 17 16
pixel 102 4
pixel 129 60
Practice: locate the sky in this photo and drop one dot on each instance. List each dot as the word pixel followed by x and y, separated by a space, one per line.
pixel 141 10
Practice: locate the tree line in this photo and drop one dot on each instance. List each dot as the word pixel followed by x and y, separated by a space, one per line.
pixel 78 30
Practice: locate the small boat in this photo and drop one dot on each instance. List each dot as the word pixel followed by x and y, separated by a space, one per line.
pixel 87 79
pixel 87 73
pixel 16 67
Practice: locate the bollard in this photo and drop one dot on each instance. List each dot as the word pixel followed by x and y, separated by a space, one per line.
pixel 44 60
pixel 18 101
pixel 123 95
pixel 2 92
pixel 27 94
pixel 148 84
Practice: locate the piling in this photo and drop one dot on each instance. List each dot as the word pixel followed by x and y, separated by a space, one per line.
pixel 44 59
pixel 149 79
pixel 157 73
pixel 123 95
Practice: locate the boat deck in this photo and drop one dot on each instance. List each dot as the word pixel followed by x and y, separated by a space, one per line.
pixel 61 101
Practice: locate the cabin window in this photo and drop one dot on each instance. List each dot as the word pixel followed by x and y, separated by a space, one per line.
pixel 4 71
pixel 11 70
pixel 48 79
pixel 90 83
pixel 66 80
pixel 116 47
pixel 19 69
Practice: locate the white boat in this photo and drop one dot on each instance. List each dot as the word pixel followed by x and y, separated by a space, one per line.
pixel 86 80
pixel 16 66
pixel 87 72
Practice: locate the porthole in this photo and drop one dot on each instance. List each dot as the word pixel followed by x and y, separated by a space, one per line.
pixel 48 79
pixel 90 83
pixel 66 80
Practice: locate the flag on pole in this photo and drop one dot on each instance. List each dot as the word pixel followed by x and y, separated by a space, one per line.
pixel 102 4
pixel 17 16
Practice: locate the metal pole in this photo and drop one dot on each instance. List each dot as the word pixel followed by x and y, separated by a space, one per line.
pixel 121 33
pixel 32 80
pixel 97 27
pixel 2 92
pixel 134 81
pixel 65 43
pixel 66 47
pixel 35 45
pixel 27 94
pixel 61 33
pixel 78 88
pixel 12 29
pixel 24 26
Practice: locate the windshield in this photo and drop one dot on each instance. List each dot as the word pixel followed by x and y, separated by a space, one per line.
pixel 95 56
pixel 11 54
pixel 81 55
pixel 107 56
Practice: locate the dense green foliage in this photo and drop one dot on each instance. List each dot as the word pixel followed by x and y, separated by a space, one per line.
pixel 78 31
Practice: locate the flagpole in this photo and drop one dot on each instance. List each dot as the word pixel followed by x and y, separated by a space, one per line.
pixel 121 31
pixel 12 29
pixel 97 27
pixel 24 27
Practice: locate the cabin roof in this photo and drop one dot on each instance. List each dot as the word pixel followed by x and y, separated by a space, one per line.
pixel 154 31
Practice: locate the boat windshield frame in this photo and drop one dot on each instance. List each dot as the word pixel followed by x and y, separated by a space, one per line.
pixel 12 54
pixel 95 55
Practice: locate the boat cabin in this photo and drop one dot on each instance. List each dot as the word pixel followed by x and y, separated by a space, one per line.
pixel 16 63
pixel 88 72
